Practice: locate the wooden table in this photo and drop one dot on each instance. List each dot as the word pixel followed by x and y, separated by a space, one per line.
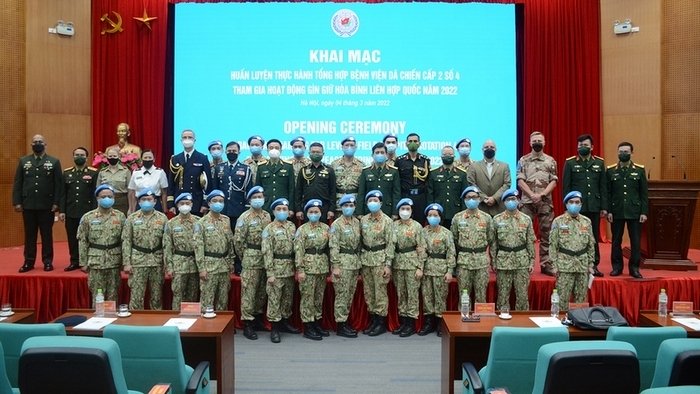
pixel 207 340
pixel 652 319
pixel 462 342
pixel 25 316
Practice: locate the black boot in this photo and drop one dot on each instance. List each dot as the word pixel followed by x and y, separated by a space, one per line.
pixel 259 323
pixel 345 331
pixel 248 331
pixel 409 329
pixel 438 330
pixel 428 326
pixel 311 333
pixel 380 328
pixel 320 330
pixel 275 333
pixel 286 326
pixel 397 331
pixel 372 323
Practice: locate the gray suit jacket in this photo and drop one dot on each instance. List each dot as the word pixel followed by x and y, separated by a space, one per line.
pixel 499 182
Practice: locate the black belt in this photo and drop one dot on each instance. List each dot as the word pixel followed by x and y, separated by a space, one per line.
pixel 572 253
pixel 471 250
pixel 105 247
pixel 315 251
pixel 182 253
pixel 513 249
pixel 147 250
pixel 217 255
pixel 437 255
pixel 373 248
pixel 282 256
pixel 253 246
pixel 348 191
pixel 406 250
pixel 348 251
pixel 415 192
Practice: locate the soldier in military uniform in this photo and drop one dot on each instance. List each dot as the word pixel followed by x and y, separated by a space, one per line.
pixel 464 148
pixel 347 171
pixel 298 160
pixel 216 151
pixel 414 169
pixel 214 253
pixel 513 252
pixel 78 197
pixel 316 181
pixel 142 251
pixel 311 256
pixel 377 257
pixel 344 243
pixel 190 172
pixel 629 204
pixel 247 240
pixel 440 253
pixel 572 251
pixel 276 176
pixel 255 143
pixel 118 176
pixel 408 266
pixel 178 248
pixel 586 173
pixel 383 177
pixel 472 230
pixel 235 179
pixel 36 192
pixel 537 177
pixel 391 143
pixel 99 240
pixel 278 255
pixel 445 184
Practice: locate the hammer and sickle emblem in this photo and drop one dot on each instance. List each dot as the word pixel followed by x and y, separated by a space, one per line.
pixel 116 26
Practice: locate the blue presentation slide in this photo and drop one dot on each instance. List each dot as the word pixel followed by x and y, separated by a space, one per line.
pixel 326 71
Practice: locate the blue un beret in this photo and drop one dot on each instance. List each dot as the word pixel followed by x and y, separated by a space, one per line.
pixel 145 192
pixel 313 203
pixel 298 139
pixel 215 193
pixel 434 206
pixel 103 186
pixel 256 137
pixel 404 201
pixel 572 194
pixel 183 196
pixel 214 143
pixel 279 201
pixel 463 140
pixel 348 139
pixel 468 190
pixel 374 193
pixel 253 190
pixel 346 198
pixel 509 193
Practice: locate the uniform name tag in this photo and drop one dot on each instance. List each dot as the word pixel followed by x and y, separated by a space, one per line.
pixel 210 228
pixel 138 221
pixel 240 172
pixel 197 164
pixel 95 222
pixel 178 229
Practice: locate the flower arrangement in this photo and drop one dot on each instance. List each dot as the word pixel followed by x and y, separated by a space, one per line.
pixel 129 160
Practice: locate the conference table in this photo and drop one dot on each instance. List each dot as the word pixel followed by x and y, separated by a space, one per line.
pixel 470 341
pixel 21 315
pixel 652 319
pixel 206 340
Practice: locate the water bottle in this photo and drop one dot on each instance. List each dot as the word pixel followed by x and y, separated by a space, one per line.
pixel 555 304
pixel 466 306
pixel 99 303
pixel 663 303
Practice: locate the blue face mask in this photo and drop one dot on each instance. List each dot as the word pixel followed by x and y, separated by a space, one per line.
pixel 146 206
pixel 106 202
pixel 374 206
pixel 257 203
pixel 216 153
pixel 573 209
pixel 464 151
pixel 217 206
pixel 433 220
pixel 511 205
pixel 348 211
pixel 298 152
pixel 281 215
pixel 349 151
pixel 314 217
pixel 255 150
pixel 380 159
pixel 471 204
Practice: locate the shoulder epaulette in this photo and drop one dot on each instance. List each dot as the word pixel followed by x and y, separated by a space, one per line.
pixel 368 167
pixel 287 161
pixel 91 168
pixel 460 169
pixel 391 166
pixel 423 156
pixel 639 165
pixel 68 169
pixel 598 157
pixel 571 158
pixel 405 155
pixel 612 166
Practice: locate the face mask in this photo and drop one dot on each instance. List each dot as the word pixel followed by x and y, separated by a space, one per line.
pixel 471 204
pixel 448 160
pixel 433 220
pixel 232 156
pixel 106 202
pixel 113 161
pixel 511 205
pixel 255 150
pixel 147 164
pixel 38 148
pixel 584 151
pixel 217 206
pixel 185 209
pixel 391 148
pixel 281 215
pixel 624 157
pixel 316 157
pixel 146 206
pixel 405 215
pixel 187 143
pixel 412 146
pixel 380 159
pixel 349 151
pixel 537 147
pixel 298 152
pixel 573 209
pixel 464 151
pixel 216 153
pixel 374 206
pixel 314 217
pixel 274 153
pixel 79 161
pixel 489 153
pixel 257 203
pixel 348 211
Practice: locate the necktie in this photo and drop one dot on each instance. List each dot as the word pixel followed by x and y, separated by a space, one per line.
pixel 187 157
pixel 146 173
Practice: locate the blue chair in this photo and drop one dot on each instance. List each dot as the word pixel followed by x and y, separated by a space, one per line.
pixel 13 336
pixel 76 365
pixel 587 367
pixel 677 363
pixel 5 386
pixel 646 341
pixel 673 390
pixel 152 355
pixel 511 359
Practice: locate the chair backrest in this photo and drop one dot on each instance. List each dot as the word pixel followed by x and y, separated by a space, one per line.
pixel 74 365
pixel 150 355
pixel 13 336
pixel 673 390
pixel 587 367
pixel 5 386
pixel 667 357
pixel 646 341
pixel 513 355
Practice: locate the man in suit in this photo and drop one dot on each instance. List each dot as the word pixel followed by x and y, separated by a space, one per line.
pixel 492 177
pixel 189 173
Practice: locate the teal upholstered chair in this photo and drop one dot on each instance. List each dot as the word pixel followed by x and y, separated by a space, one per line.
pixel 13 336
pixel 73 365
pixel 5 386
pixel 511 359
pixel 646 341
pixel 671 352
pixel 152 355
pixel 587 367
pixel 673 390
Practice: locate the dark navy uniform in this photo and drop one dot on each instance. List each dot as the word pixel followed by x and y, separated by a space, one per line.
pixel 414 182
pixel 189 176
pixel 445 187
pixel 319 183
pixel 277 179
pixel 77 199
pixel 234 179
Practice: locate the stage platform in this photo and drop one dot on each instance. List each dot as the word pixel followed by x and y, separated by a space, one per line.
pixel 51 293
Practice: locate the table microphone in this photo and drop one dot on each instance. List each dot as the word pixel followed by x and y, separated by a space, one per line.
pixel 682 165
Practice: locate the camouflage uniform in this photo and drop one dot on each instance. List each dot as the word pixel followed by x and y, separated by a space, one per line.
pixel 347 178
pixel 214 255
pixel 178 247
pixel 377 253
pixel 278 254
pixel 253 164
pixel 410 256
pixel 572 249
pixel 142 249
pixel 311 255
pixel 473 234
pixel 247 240
pixel 537 171
pixel 99 239
pixel 344 246
pixel 463 166
pixel 440 252
pixel 513 253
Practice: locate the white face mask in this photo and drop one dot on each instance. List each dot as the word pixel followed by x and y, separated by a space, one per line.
pixel 187 143
pixel 185 209
pixel 391 148
pixel 274 153
pixel 405 215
